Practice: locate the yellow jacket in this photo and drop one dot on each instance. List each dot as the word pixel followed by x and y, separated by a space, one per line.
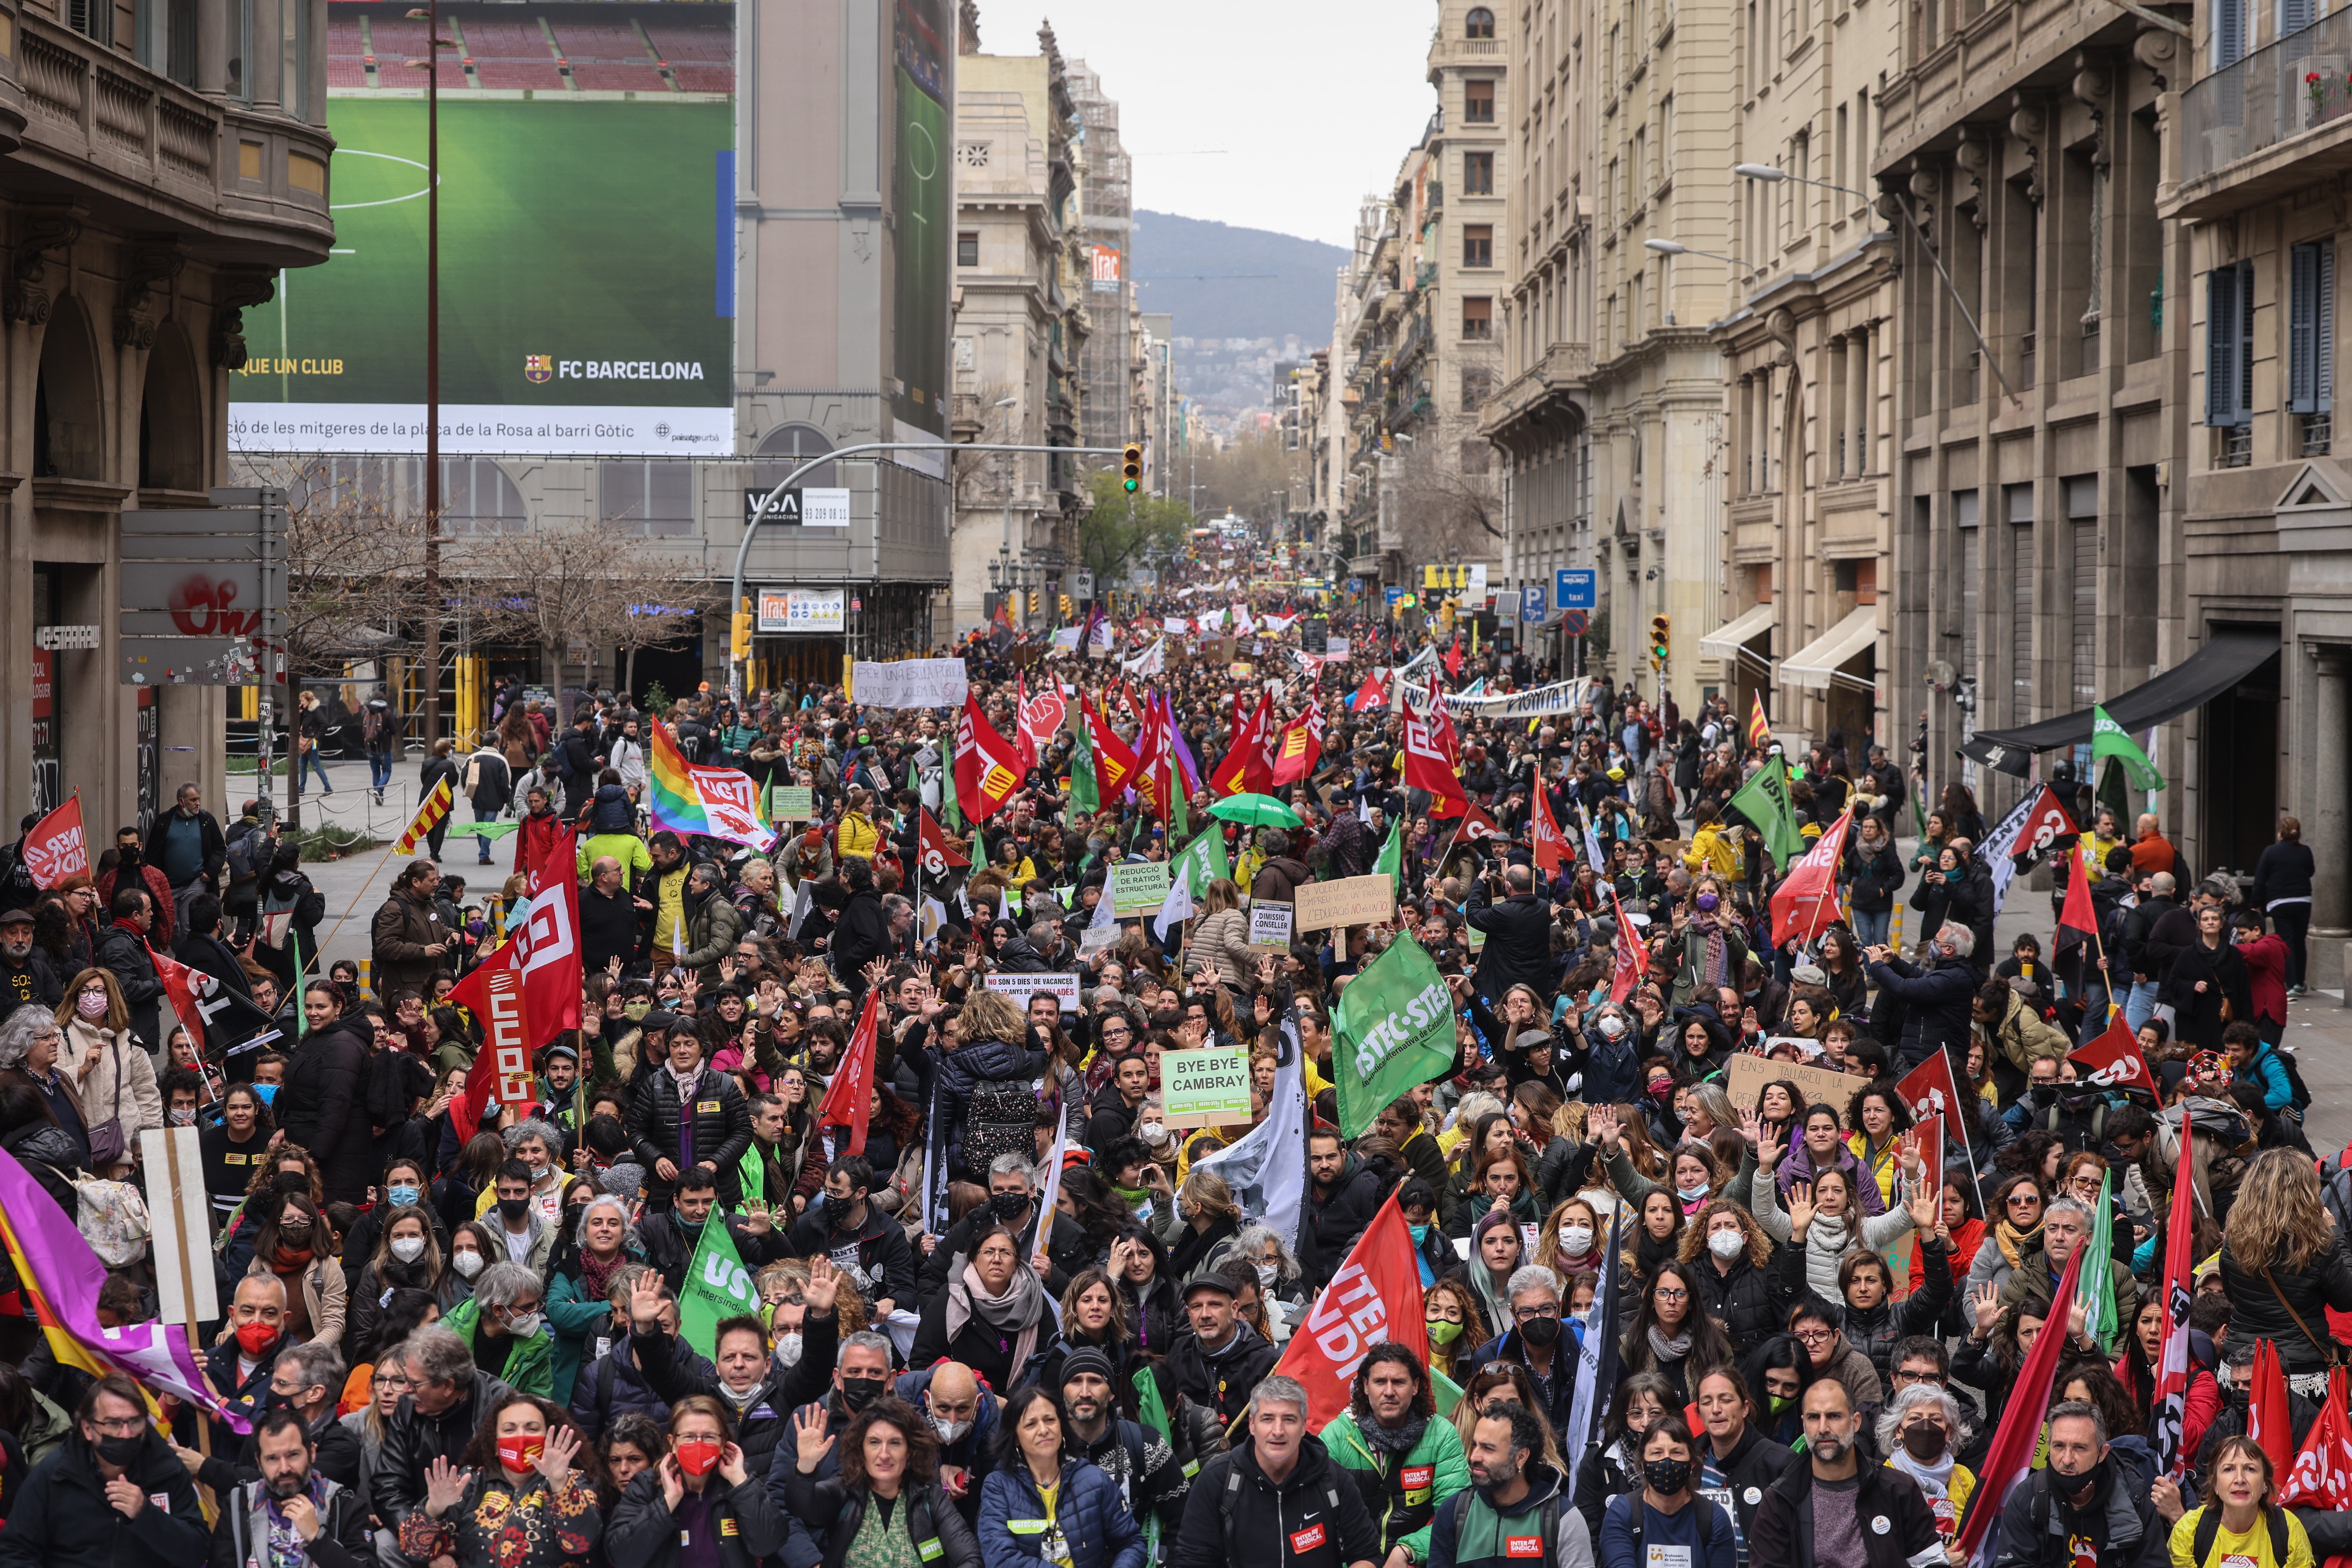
pixel 1710 850
pixel 1953 1506
pixel 857 836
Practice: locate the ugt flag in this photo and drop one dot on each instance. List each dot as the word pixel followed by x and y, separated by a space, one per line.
pixel 1376 1296
pixel 1392 1029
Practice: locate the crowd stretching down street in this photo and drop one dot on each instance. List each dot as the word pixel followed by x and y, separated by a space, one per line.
pixel 1633 1150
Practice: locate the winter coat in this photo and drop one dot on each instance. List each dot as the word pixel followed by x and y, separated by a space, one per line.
pixel 1232 1502
pixel 1876 878
pixel 1403 1494
pixel 124 953
pixel 121 1087
pixel 860 935
pixel 1279 881
pixel 2036 1528
pixel 325 1296
pixel 1752 1301
pixel 1518 943
pixel 50 1155
pixel 60 1518
pixel 1220 944
pixel 1937 1013
pixel 988 1094
pixel 2197 1014
pixel 2023 1036
pixel 1334 1219
pixel 403 929
pixel 834 1513
pixel 644 1533
pixel 721 1125
pixel 323 1108
pixel 1898 1525
pixel 513 1524
pixel 1095 1523
pixel 344 1540
pixel 713 933
pixel 1876 1332
pixel 1222 1383
pixel 412 1441
pixel 876 1254
pixel 2031 1286
pixel 529 1362
pixel 2262 1299
pixel 615 1384
pixel 1508 1347
pixel 488 783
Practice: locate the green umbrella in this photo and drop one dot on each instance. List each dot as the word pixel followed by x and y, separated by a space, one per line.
pixel 1263 810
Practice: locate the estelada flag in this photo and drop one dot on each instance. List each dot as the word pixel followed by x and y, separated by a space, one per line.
pixel 985 766
pixel 2008 1464
pixel 55 847
pixel 937 855
pixel 1374 1298
pixel 1301 748
pixel 1431 760
pixel 2113 1060
pixel 849 1099
pixel 1632 958
pixel 1115 760
pixel 1553 851
pixel 1807 899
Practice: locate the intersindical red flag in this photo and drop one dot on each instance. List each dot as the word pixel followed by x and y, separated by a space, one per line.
pixel 1632 958
pixel 1023 747
pixel 1476 825
pixel 1807 899
pixel 1375 1296
pixel 986 767
pixel 938 856
pixel 2113 1059
pixel 2171 1402
pixel 55 847
pixel 1433 761
pixel 849 1100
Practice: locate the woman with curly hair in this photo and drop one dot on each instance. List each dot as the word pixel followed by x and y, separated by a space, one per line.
pixel 523 1495
pixel 2285 1263
pixel 1735 1280
pixel 1456 1327
pixel 1879 1119
pixel 889 1456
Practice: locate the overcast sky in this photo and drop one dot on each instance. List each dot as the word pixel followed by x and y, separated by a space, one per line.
pixel 1278 114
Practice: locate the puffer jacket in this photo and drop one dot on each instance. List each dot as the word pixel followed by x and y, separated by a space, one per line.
pixel 1221 944
pixel 723 1130
pixel 614 1385
pixel 2024 1037
pixel 1750 1300
pixel 1097 1525
pixel 1875 1332
pixel 323 1108
pixel 1935 1006
pixel 745 1526
pixel 2263 1300
pixel 1000 1122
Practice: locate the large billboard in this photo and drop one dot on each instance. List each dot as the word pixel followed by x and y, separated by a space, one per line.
pixel 587 242
pixel 926 221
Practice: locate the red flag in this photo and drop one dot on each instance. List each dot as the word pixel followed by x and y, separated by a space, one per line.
pixel 180 993
pixel 938 856
pixel 986 769
pixel 849 1099
pixel 1371 694
pixel 2171 1402
pixel 528 990
pixel 1115 760
pixel 1807 898
pixel 2113 1059
pixel 1431 761
pixel 1633 958
pixel 1302 747
pixel 2322 1477
pixel 1552 848
pixel 493 993
pixel 2044 822
pixel 1025 748
pixel 1375 1296
pixel 1933 1097
pixel 2266 1408
pixel 1041 715
pixel 2078 912
pixel 1453 659
pixel 2008 1464
pixel 1151 756
pixel 1238 772
pixel 1477 824
pixel 56 848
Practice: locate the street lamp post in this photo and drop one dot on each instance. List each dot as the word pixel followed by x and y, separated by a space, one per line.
pixel 433 45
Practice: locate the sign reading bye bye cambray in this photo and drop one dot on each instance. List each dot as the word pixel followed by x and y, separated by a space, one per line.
pixel 1392 1029
pixel 1205 1088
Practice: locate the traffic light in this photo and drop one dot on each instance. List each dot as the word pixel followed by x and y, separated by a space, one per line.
pixel 1036 600
pixel 1659 627
pixel 1131 466
pixel 738 644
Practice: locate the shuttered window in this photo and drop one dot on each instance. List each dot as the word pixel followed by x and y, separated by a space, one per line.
pixel 2229 32
pixel 2019 501
pixel 1972 577
pixel 2229 344
pixel 2311 328
pixel 2295 16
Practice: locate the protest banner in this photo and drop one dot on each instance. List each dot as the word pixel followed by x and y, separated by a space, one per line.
pixel 1138 887
pixel 1745 1078
pixel 1205 1088
pixel 1350 901
pixel 1270 925
pixel 1063 988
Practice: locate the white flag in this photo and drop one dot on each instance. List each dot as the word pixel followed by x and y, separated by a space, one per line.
pixel 1175 909
pixel 804 900
pixel 1268 1168
pixel 1052 1179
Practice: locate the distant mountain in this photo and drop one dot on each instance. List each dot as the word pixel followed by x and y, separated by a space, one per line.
pixel 1171 254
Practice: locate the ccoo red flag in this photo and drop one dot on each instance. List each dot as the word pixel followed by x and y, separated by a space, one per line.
pixel 529 990
pixel 2113 1058
pixel 1375 1296
pixel 849 1099
pixel 1431 760
pixel 2267 1421
pixel 2171 1402
pixel 1807 899
pixel 55 848
pixel 986 769
pixel 2322 1477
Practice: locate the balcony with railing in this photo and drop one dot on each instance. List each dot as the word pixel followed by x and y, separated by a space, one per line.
pixel 2276 121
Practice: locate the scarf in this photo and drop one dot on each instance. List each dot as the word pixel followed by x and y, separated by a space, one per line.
pixel 1829 1233
pixel 1936 1480
pixel 1716 963
pixel 2012 1241
pixel 596 1276
pixel 1015 1313
pixel 287 1547
pixel 1394 1441
pixel 1666 1349
pixel 289 1260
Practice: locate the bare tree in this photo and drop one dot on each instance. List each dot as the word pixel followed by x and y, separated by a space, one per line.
pixel 585 583
pixel 1449 512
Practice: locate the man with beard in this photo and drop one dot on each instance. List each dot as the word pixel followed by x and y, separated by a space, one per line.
pixel 1502 1510
pixel 291 1506
pixel 26 977
pixel 1145 1467
pixel 2084 1510
pixel 1852 1515
pixel 1222 1359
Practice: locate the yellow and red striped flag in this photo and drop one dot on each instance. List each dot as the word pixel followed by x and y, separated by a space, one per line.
pixel 1759 732
pixel 436 807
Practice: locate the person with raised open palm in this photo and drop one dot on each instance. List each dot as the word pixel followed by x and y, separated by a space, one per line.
pixel 889 1456
pixel 513 1500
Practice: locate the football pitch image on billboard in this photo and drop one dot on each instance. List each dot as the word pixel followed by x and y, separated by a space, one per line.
pixel 587 256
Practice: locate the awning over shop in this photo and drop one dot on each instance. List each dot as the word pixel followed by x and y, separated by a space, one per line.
pixel 2226 658
pixel 1815 666
pixel 1726 641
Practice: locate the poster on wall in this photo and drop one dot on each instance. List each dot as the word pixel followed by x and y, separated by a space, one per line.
pixel 924 216
pixel 587 245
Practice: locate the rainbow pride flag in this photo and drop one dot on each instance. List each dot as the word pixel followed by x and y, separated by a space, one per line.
pixel 719 802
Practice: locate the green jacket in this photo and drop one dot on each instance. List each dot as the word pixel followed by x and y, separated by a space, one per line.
pixel 575 1321
pixel 1403 1497
pixel 530 1365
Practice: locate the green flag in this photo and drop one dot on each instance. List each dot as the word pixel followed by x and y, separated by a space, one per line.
pixel 1764 801
pixel 1085 794
pixel 1390 863
pixel 1447 1393
pixel 717 1287
pixel 2108 739
pixel 484 829
pixel 1393 1029
pixel 1201 862
pixel 950 809
pixel 1151 1410
pixel 2095 1287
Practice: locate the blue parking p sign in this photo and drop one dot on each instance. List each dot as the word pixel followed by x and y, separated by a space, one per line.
pixel 1531 602
pixel 1574 588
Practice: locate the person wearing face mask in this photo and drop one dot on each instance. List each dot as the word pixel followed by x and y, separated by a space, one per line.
pixel 1011 1202
pixel 503 1324
pixel 303 1383
pixel 1668 1514
pixel 287 1499
pixel 1920 1431
pixel 239 1366
pixel 107 1065
pixel 112 1492
pixel 611 1379
pixel 758 1388
pixel 295 1244
pixel 702 1504
pixel 860 1379
pixel 1705 949
pixel 407 1255
pixel 964 1419
pixel 2080 1510
pixel 1835 1512
pixel 1736 1281
pixel 405 1183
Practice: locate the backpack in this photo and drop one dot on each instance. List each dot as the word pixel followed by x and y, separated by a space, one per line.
pixel 2209 1529
pixel 242 871
pixel 1634 1516
pixel 371 722
pixel 2302 1096
pixel 113 1219
pixel 558 762
pixel 1225 1514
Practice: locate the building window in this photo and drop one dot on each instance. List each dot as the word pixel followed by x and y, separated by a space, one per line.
pixel 1478 102
pixel 1478 318
pixel 2311 343
pixel 1477 385
pixel 1478 244
pixel 2230 346
pixel 968 249
pixel 1478 173
pixel 1479 24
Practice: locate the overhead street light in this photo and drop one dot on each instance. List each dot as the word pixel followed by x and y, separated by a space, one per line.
pixel 1676 248
pixel 1772 175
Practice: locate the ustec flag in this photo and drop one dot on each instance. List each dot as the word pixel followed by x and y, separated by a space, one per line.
pixel 717 1287
pixel 1375 1296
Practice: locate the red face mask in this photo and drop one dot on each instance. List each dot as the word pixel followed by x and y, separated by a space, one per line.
pixel 697 1456
pixel 256 1337
pixel 520 1454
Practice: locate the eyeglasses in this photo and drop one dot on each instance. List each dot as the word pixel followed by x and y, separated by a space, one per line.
pixel 1670 1295
pixel 128 1427
pixel 1530 1314
pixel 1903 1377
pixel 1816 1336
pixel 2029 1200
